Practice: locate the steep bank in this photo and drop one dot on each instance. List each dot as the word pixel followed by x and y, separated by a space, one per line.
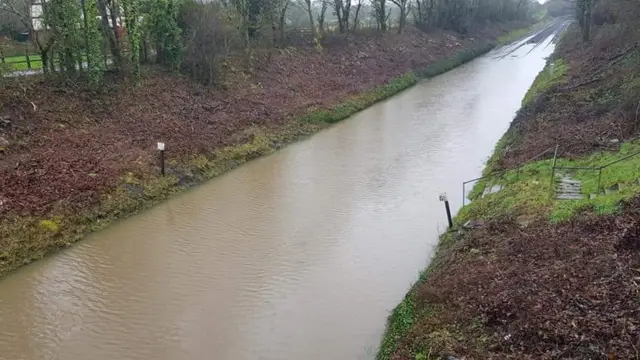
pixel 526 274
pixel 76 161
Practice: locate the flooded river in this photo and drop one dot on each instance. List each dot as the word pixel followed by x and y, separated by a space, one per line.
pixel 298 255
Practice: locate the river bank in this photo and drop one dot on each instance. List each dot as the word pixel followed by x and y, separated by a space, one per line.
pixel 544 261
pixel 70 167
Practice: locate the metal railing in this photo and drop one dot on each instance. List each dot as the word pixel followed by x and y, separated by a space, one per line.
pixel 502 172
pixel 554 167
pixel 588 168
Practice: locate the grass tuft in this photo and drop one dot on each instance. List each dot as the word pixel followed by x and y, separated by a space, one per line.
pixel 399 322
pixel 554 73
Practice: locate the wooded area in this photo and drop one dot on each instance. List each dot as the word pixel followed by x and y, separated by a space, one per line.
pixel 89 36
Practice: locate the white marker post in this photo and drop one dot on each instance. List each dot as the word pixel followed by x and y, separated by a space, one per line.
pixel 443 197
pixel 161 149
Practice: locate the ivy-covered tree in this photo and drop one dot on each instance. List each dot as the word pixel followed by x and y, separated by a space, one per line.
pixel 165 32
pixel 93 41
pixel 133 35
pixel 63 17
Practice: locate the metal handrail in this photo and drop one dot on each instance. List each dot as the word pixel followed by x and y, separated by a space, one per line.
pixel 592 168
pixel 517 168
pixel 578 167
pixel 619 160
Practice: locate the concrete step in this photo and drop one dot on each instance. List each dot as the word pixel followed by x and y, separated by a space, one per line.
pixel 573 188
pixel 492 190
pixel 570 197
pixel 568 188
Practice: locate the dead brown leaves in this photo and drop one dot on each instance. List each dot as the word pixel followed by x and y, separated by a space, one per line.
pixel 568 291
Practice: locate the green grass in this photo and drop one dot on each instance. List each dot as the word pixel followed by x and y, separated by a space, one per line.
pixel 554 73
pixel 19 63
pixel 393 87
pixel 520 33
pixel 360 102
pixel 458 59
pixel 624 173
pixel 526 193
pixel 398 324
pixel 514 35
pixel 529 193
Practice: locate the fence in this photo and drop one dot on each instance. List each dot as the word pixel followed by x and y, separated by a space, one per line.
pixel 594 169
pixel 504 172
pixel 25 56
pixel 554 169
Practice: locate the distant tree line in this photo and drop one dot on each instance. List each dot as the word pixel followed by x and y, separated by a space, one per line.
pixel 91 36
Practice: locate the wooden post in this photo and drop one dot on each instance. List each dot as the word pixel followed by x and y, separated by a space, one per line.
pixel 26 55
pixel 162 162
pixel 443 198
pixel 161 148
pixel 446 205
pixel 1 56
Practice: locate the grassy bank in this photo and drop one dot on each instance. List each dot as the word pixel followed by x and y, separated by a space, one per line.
pixel 33 238
pixel 530 276
pixel 422 326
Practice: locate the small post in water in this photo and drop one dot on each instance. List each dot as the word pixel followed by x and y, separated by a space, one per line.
pixel 443 198
pixel 161 149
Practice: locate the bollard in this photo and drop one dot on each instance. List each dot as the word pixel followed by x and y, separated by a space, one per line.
pixel 26 55
pixel 161 149
pixel 443 198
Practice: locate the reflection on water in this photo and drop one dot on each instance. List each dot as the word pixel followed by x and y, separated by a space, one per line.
pixel 299 255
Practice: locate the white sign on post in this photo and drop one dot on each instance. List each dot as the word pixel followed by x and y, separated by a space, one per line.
pixel 161 146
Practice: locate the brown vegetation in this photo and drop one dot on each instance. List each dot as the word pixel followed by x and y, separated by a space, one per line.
pixel 504 291
pixel 516 286
pixel 596 104
pixel 68 145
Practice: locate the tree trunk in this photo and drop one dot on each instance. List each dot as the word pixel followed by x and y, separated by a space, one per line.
pixel 86 33
pixel 283 17
pixel 586 22
pixel 310 12
pixel 338 9
pixel 108 33
pixel 355 17
pixel 380 7
pixel 403 16
pixel 419 18
pixel 323 11
pixel 346 10
pixel 44 57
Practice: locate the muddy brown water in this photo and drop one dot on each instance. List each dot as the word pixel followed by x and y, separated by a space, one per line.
pixel 298 255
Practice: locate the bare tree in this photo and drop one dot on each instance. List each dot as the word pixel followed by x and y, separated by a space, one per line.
pixel 342 9
pixel 380 14
pixel 309 8
pixel 284 5
pixel 241 8
pixel 402 6
pixel 355 16
pixel 324 4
